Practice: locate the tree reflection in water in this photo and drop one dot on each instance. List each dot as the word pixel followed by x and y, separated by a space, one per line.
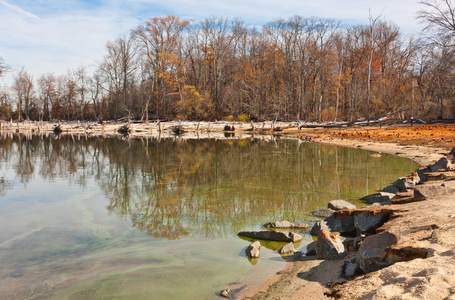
pixel 212 188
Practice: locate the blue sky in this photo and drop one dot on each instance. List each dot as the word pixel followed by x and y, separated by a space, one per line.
pixel 57 35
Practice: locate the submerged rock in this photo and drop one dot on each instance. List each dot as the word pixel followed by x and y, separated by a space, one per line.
pixel 272 235
pixel 253 250
pixel 286 224
pixel 372 254
pixel 340 204
pixel 329 246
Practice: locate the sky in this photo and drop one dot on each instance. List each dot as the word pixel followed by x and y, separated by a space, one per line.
pixel 58 35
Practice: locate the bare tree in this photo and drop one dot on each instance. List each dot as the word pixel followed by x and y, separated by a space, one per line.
pixel 23 87
pixel 47 86
pixel 439 15
pixel 3 67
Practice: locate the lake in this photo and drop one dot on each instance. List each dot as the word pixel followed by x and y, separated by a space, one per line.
pixel 94 218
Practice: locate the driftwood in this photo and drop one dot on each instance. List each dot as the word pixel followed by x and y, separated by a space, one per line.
pixel 381 120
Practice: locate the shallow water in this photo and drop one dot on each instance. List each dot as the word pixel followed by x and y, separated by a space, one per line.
pixel 92 218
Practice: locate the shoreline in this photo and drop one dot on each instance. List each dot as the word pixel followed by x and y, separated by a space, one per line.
pixel 310 278
pixel 307 277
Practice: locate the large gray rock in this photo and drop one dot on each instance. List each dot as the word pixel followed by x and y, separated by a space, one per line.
pixel 253 250
pixel 286 224
pixel 340 204
pixel 329 246
pixel 372 254
pixel 442 164
pixel 367 222
pixel 427 190
pixel 343 224
pixel 287 249
pixel 272 235
pixel 323 213
pixel 378 197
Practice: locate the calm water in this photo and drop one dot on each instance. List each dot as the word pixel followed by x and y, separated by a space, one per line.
pixel 141 219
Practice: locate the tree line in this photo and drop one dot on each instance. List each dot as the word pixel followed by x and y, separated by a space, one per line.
pixel 309 69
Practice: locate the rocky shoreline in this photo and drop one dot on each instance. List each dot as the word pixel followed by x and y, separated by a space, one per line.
pixel 403 246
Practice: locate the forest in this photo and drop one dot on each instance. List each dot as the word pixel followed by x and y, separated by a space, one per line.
pixel 299 68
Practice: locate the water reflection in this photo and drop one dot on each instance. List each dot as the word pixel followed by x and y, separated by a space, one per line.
pixel 174 188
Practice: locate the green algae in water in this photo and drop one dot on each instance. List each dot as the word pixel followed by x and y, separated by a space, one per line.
pixel 142 219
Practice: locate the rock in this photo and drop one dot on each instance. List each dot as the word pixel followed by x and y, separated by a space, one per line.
pixel 323 213
pixel 442 164
pixel 340 204
pixel 420 173
pixel 433 176
pixel 358 240
pixel 253 250
pixel 378 197
pixel 329 246
pixel 352 269
pixel 399 184
pixel 425 191
pixel 286 224
pixel 343 224
pixel 367 222
pixel 406 182
pixel 272 235
pixel 311 249
pixel 287 249
pixel 226 293
pixel 372 255
pixel 436 176
pixel 391 189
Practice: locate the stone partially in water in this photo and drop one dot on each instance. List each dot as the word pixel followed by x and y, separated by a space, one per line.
pixel 378 197
pixel 391 189
pixel 329 246
pixel 272 235
pixel 323 213
pixel 286 224
pixel 253 250
pixel 287 249
pixel 226 293
pixel 340 204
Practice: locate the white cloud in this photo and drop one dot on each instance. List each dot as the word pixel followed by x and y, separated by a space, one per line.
pixel 19 10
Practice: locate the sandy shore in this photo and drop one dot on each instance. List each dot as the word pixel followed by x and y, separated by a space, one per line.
pixel 424 227
pixel 432 277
